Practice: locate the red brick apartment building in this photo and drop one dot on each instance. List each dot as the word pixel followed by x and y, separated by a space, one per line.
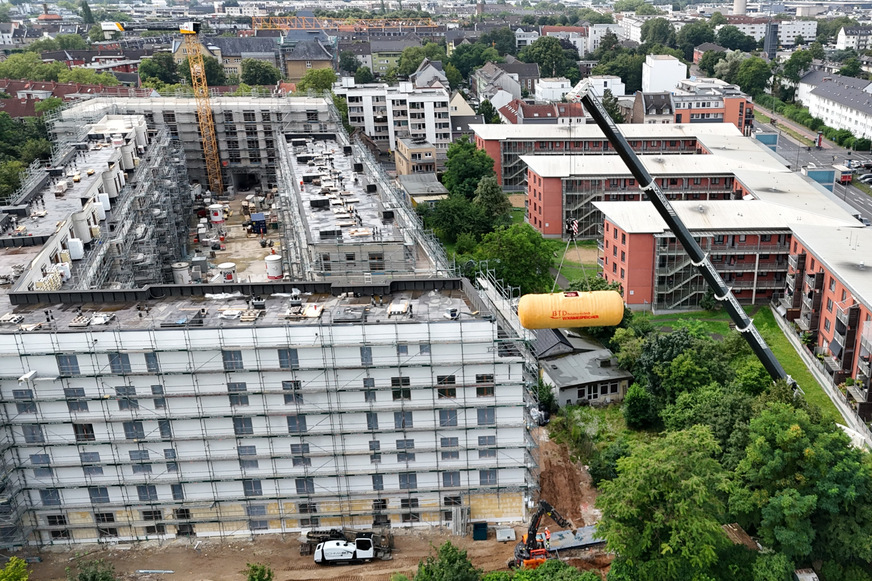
pixel 829 295
pixel 748 242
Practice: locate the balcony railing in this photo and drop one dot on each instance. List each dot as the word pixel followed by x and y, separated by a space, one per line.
pixel 793 261
pixel 842 315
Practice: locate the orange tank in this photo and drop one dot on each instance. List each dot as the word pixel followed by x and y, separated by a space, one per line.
pixel 571 309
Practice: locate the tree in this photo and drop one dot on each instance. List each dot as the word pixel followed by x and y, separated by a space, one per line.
pixel 412 57
pixel 363 75
pixel 214 71
pixel 465 166
pixel 10 177
pixel 489 112
pixel 258 72
pixel 734 39
pixel 15 570
pixel 95 33
pixel 817 51
pixel 709 59
pixel 390 76
pixel 455 217
pixel 453 75
pixel 646 9
pixel 692 35
pixel 551 570
pixel 796 66
pixel 627 66
pixel 727 69
pixel 639 408
pixel 258 572
pixel 803 489
pixel 46 105
pixel 318 80
pixel 95 570
pixel 717 19
pixel 851 68
pixel 798 40
pixel 548 53
pixel 348 62
pixel 502 39
pixel 468 57
pixel 660 515
pixel 658 31
pixel 753 75
pixel 87 77
pixel 494 203
pixel 161 66
pixel 612 107
pixel 519 256
pixel 449 564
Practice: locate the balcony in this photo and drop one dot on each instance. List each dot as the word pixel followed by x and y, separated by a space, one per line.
pixel 791 281
pixel 803 323
pixel 841 315
pixel 838 337
pixel 793 261
pixel 808 301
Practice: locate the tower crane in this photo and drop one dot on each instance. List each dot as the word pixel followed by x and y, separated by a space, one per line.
pixel 191 33
pixel 344 24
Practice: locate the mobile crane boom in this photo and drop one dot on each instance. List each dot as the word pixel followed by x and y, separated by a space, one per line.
pixel 744 325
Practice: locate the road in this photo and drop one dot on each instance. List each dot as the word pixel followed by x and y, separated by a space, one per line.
pixel 798 155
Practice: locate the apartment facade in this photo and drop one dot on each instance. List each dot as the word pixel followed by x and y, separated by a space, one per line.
pixel 414 156
pixel 387 113
pixel 704 100
pixel 856 37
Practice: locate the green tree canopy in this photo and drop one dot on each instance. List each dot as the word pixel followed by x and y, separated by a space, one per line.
pixel 627 66
pixel 258 72
pixel 15 570
pixel 28 65
pixel 363 75
pixel 727 69
pixel 519 256
pixel 709 59
pixel 318 80
pixel 551 57
pixel 610 103
pixel 495 204
pixel 717 19
pixel 453 75
pixel 449 564
pixel 734 39
pixel 465 167
pixel 489 112
pixel 851 68
pixel 161 66
pixel 661 514
pixel 214 71
pixel 692 35
pixel 753 75
pixel 658 31
pixel 412 57
pixel 348 62
pixel 87 77
pixel 502 39
pixel 87 17
pixel 468 57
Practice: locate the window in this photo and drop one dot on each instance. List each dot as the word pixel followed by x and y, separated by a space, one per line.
pixel 252 488
pixel 292 391
pixel 447 418
pixel 236 394
pixel 486 416
pixel 447 392
pixel 371 421
pixel 487 477
pixel 369 395
pixel 40 459
pixel 301 461
pixel 484 391
pixel 151 363
pixel 305 485
pixel 451 455
pixel 126 395
pixel 242 426
pixel 99 494
pixel 152 515
pixel 296 424
pixel 830 305
pixel 452 501
pixel 366 355
pixel 402 420
pixel 68 364
pixel 178 491
pixel 33 434
pixel 289 359
pixel 408 480
pixel 76 399
pixel 247 456
pixel 50 497
pixel 487 440
pixel 26 405
pixel 166 430
pixel 119 362
pixel 827 325
pixel 158 529
pixel 450 479
pixel 142 468
pixel 832 284
pixel 424 348
pixel 134 431
pixel 232 360
pixel 104 517
pixel 138 455
pixel 159 402
pixel 307 508
pixel 147 492
pixel 299 448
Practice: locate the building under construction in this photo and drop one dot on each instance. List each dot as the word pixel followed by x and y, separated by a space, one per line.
pixel 298 357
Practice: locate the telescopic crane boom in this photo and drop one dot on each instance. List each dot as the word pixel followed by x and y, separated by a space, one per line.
pixel 744 325
pixel 191 32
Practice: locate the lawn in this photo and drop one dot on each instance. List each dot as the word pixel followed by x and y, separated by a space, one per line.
pixel 719 324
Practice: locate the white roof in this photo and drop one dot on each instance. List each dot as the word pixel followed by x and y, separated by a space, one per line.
pixel 716 215
pixel 631 131
pixel 843 251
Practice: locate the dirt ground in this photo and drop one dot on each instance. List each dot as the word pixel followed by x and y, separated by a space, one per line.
pixel 565 485
pixel 581 255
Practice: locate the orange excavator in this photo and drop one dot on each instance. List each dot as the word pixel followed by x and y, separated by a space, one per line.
pixel 534 549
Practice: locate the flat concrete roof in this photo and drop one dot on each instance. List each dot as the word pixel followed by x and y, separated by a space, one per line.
pixel 716 215
pixel 590 131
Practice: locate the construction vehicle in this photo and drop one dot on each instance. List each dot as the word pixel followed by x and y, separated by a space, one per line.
pixel 190 31
pixel 341 547
pixel 533 549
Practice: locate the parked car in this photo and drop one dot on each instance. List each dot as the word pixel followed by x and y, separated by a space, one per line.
pixel 865 176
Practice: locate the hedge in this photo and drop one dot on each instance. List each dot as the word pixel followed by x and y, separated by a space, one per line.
pixel 801 115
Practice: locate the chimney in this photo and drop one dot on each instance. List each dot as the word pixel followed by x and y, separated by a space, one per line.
pixel 44 8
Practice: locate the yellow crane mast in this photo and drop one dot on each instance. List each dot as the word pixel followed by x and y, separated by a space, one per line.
pixel 190 31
